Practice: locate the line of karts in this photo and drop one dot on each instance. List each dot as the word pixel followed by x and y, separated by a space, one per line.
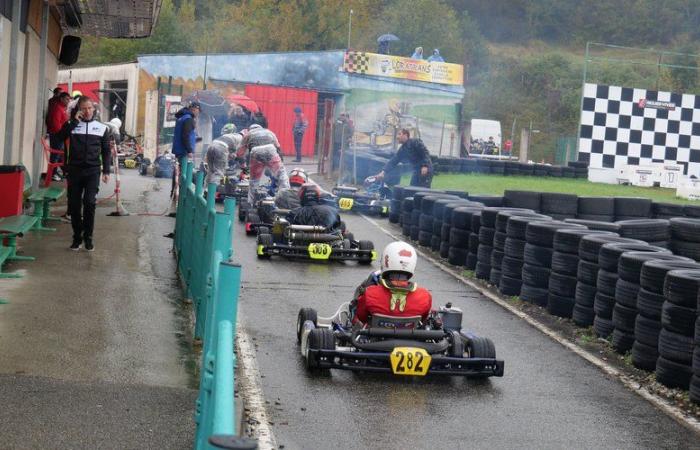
pixel 398 345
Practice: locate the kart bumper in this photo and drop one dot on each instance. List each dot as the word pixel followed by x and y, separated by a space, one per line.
pixel 302 252
pixel 379 362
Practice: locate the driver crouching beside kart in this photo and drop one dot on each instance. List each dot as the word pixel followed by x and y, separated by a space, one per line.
pixel 312 212
pixel 390 292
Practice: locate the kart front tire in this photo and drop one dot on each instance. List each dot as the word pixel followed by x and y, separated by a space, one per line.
pixel 304 315
pixel 319 339
pixel 366 246
pixel 481 347
pixel 266 240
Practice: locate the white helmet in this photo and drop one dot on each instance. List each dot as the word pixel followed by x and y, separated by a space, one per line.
pixel 399 257
pixel 255 126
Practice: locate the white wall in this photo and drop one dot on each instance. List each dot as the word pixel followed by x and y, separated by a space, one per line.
pixel 4 71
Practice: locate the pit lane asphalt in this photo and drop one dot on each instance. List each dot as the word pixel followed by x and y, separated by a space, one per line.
pixel 548 398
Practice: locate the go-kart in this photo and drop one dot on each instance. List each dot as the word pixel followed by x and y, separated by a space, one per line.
pixel 234 184
pixel 397 345
pixel 374 201
pixel 312 242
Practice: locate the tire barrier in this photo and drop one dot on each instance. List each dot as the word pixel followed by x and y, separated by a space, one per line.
pixel 203 247
pixel 654 231
pixel 685 237
pixel 574 169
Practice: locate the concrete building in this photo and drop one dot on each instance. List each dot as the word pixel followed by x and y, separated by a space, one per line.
pixel 35 37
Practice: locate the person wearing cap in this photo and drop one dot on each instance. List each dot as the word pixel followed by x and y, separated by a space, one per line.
pixel 298 130
pixel 436 57
pixel 184 136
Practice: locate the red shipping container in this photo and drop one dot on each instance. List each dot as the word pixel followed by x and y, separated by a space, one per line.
pixel 11 188
pixel 277 103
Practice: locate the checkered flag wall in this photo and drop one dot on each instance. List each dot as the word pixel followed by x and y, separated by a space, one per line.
pixel 356 62
pixel 625 126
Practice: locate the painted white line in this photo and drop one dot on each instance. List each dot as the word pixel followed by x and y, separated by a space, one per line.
pixel 251 391
pixel 629 382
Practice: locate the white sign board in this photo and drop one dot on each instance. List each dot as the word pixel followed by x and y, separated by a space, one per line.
pixel 642 176
pixel 173 104
pixel 671 175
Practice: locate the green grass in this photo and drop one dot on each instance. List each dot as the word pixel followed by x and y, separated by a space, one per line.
pixel 495 184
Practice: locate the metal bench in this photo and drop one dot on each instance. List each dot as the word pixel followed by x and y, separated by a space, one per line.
pixel 10 228
pixel 42 199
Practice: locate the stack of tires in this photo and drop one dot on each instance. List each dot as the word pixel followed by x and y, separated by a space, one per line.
pixel 608 259
pixel 559 206
pixel 563 280
pixel 417 212
pixel 587 276
pixel 596 208
pixel 677 336
pixel 596 225
pixel 487 200
pixel 685 237
pixel 473 255
pixel 695 379
pixel 627 290
pixel 522 199
pixel 666 210
pixel 630 208
pixel 487 232
pixel 650 301
pixel 426 218
pixel 460 237
pixel 395 209
pixel 499 242
pixel 514 253
pixel 537 267
pixel 656 232
pixel 406 216
pixel 439 221
pixel 446 227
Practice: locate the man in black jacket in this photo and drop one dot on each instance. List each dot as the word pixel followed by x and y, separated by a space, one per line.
pixel 88 155
pixel 412 151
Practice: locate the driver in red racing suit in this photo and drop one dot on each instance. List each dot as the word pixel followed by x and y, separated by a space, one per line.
pixel 390 292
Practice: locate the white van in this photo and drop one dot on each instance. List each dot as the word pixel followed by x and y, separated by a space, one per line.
pixel 481 130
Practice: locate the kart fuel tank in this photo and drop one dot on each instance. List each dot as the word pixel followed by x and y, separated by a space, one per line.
pixel 451 317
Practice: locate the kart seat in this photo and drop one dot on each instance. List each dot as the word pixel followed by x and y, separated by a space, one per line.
pixel 345 189
pixel 384 321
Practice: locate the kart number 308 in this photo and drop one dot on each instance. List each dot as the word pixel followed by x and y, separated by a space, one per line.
pixel 319 251
pixel 409 361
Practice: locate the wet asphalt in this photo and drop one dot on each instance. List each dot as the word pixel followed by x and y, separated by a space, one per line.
pixel 549 398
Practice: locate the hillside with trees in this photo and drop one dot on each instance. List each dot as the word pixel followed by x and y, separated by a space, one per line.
pixel 523 58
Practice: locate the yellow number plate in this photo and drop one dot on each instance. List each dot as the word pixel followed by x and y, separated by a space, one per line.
pixel 346 203
pixel 409 361
pixel 319 251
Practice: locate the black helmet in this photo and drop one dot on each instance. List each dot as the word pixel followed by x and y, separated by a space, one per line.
pixel 309 194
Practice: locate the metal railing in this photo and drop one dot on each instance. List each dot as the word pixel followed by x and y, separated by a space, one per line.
pixel 203 246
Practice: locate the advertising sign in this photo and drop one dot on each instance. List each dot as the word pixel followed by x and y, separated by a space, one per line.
pixel 399 67
pixel 173 104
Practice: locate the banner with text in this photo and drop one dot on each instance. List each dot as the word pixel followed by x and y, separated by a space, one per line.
pixel 400 67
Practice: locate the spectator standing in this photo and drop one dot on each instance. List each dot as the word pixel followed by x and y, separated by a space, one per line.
pixel 185 136
pixel 298 129
pixel 56 93
pixel 414 152
pixel 90 154
pixel 56 117
pixel 417 53
pixel 507 147
pixel 342 135
pixel 436 57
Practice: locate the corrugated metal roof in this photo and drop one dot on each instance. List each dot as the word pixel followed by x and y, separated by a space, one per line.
pixel 115 18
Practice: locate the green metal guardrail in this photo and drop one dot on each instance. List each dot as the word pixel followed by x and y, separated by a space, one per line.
pixel 203 246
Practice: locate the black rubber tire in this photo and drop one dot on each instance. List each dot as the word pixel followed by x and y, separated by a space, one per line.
pixel 406 230
pixel 496 259
pixel 435 243
pixel 644 357
pixel 646 331
pixel 626 293
pixel 675 347
pixel 622 341
pixel 437 227
pixel 654 272
pixel 304 315
pixel 487 200
pixel 555 203
pixel 499 240
pixel 607 282
pixel 691 211
pixel 688 249
pixel 457 256
pixel 587 272
pixel 471 262
pixel 415 232
pixel 590 246
pixel 603 305
pixel 596 206
pixel 445 232
pixel 560 306
pixel 681 287
pixel 407 205
pixel 663 210
pixel 267 240
pixel 444 249
pixel 495 276
pixel 678 319
pixel 462 217
pixel 536 255
pixel 648 230
pixel 482 270
pixel 697 332
pixel 609 255
pixel 649 304
pixel 476 222
pixel 512 267
pixel 536 276
pixel 582 316
pixel 563 286
pixel 629 267
pixel 481 347
pixel 415 217
pixel 473 242
pixel 632 207
pixel 599 221
pixel 504 216
pixel 509 286
pixel 522 199
pixel 425 238
pixel 484 254
pixel 425 223
pixel 568 240
pixel 685 229
pixel 623 318
pixel 535 295
pixel 486 235
pixel 602 327
pixel 585 294
pixel 459 238
pixel 319 339
pixel 517 225
pixel 672 374
pixel 565 263
pixel 542 232
pixel 515 248
pixel 694 389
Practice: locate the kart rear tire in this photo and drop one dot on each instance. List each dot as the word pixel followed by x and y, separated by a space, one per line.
pixel 242 211
pixel 481 347
pixel 456 350
pixel 319 339
pixel 266 240
pixel 304 315
pixel 366 245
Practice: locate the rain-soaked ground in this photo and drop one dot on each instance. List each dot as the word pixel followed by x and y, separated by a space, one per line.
pixel 95 347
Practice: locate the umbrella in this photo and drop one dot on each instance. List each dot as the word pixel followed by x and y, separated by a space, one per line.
pixel 243 101
pixel 388 38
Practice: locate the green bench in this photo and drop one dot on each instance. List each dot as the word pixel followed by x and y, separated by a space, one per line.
pixel 42 199
pixel 10 228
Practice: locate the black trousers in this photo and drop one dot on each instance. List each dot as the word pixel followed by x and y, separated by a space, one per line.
pixel 422 180
pixel 82 190
pixel 298 137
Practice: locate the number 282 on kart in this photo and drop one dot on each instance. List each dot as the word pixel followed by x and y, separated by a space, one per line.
pixel 409 361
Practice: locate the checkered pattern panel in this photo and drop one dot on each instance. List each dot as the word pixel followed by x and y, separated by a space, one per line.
pixel 356 62
pixel 623 126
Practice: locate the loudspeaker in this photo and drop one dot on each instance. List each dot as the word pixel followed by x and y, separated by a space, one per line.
pixel 70 50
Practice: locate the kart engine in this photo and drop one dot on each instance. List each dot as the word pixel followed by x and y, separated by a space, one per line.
pixel 309 233
pixel 451 317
